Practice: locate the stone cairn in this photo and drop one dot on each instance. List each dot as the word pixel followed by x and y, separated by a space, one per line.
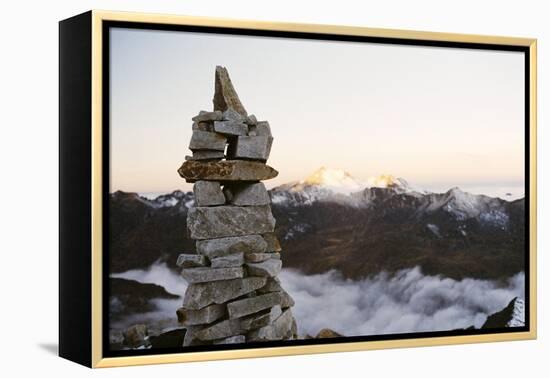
pixel 234 295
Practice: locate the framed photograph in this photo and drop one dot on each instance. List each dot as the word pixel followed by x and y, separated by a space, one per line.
pixel 235 189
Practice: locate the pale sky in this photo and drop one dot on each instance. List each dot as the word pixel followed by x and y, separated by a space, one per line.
pixel 438 117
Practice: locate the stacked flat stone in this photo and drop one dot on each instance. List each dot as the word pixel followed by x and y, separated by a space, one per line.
pixel 234 295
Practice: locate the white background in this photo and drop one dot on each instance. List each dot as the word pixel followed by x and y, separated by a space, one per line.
pixel 28 154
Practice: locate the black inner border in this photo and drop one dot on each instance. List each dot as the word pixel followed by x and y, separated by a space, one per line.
pixel 107 25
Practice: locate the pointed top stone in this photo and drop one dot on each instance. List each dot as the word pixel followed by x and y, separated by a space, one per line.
pixel 225 96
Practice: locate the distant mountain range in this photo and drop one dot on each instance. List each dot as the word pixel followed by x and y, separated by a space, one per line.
pixel 330 220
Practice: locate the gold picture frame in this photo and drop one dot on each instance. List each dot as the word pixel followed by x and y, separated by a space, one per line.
pixel 93 27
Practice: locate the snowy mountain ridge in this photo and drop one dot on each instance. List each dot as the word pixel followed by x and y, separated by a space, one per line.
pixel 335 185
pixel 340 187
pixel 182 200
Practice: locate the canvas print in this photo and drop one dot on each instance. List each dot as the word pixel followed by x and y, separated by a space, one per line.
pixel 275 191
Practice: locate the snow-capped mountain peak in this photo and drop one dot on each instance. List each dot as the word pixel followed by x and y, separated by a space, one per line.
pixel 337 180
pixel 325 184
pixel 385 181
pixel 389 181
pixel 337 185
pixel 173 199
pixel 463 205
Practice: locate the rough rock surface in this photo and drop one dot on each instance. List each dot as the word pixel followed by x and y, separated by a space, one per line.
pixel 208 193
pixel 273 284
pixel 214 248
pixel 251 120
pixel 220 330
pixel 191 261
pixel 205 116
pixel 205 315
pixel 225 96
pixel 202 126
pixel 327 333
pixel 260 129
pixel 249 195
pixel 286 299
pixel 261 319
pixel 204 140
pixel 200 295
pixel 208 274
pixel 249 306
pixel 252 147
pixel 259 257
pixel 226 170
pixel 230 127
pixel 267 268
pixel 190 337
pixel 273 244
pixel 281 328
pixel 222 221
pixel 232 115
pixel 228 261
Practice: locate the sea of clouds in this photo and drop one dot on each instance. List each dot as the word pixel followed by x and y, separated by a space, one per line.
pixel 407 301
pixel 165 314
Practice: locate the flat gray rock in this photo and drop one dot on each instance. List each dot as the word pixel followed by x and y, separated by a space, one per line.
pixel 204 140
pixel 228 261
pixel 220 330
pixel 237 339
pixel 208 193
pixel 207 274
pixel 280 329
pixel 190 337
pixel 203 126
pixel 254 194
pixel 226 170
pixel 261 319
pixel 225 96
pixel 230 127
pixel 286 299
pixel 200 295
pixel 232 115
pixel 260 129
pixel 273 284
pixel 205 116
pixel 259 257
pixel 267 268
pixel 252 305
pixel 214 248
pixel 273 244
pixel 206 155
pixel 188 260
pixel 205 315
pixel 222 221
pixel 253 147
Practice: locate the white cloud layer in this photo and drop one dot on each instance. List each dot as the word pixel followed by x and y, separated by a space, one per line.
pixel 408 301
